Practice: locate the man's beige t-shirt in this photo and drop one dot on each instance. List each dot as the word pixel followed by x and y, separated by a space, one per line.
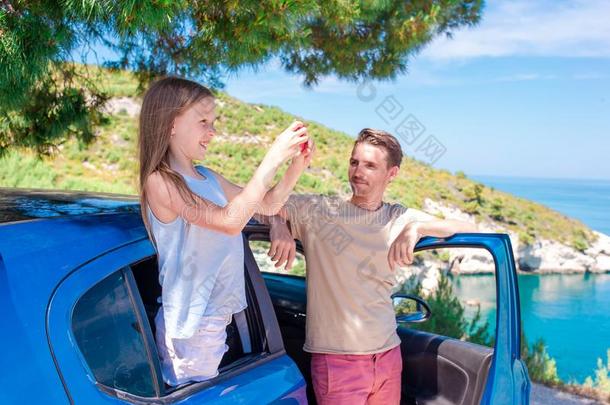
pixel 349 281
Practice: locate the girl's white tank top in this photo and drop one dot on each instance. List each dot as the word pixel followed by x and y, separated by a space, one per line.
pixel 201 271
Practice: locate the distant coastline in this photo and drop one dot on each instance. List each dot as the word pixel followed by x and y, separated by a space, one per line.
pixel 587 200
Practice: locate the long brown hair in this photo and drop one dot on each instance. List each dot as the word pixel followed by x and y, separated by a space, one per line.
pixel 164 100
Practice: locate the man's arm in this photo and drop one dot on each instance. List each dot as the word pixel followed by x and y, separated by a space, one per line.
pixel 289 224
pixel 444 228
pixel 283 247
pixel 401 250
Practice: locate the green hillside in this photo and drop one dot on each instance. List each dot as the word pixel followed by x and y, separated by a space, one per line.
pixel 245 130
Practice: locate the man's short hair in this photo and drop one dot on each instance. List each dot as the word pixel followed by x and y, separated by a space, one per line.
pixel 384 140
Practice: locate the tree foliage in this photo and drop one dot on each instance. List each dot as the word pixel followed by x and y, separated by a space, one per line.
pixel 45 98
pixel 448 312
pixel 601 381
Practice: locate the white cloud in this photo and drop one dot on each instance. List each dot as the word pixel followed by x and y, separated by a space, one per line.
pixel 589 76
pixel 528 28
pixel 522 77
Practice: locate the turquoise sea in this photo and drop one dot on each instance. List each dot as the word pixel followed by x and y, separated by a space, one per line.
pixel 586 200
pixel 570 312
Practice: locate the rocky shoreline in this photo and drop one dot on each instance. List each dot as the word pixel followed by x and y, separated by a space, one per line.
pixel 541 257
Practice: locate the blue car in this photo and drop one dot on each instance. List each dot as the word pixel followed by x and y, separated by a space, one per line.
pixel 79 290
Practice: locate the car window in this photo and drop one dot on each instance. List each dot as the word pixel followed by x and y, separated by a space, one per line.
pixel 261 248
pixel 108 335
pixel 459 284
pixel 112 323
pixel 245 333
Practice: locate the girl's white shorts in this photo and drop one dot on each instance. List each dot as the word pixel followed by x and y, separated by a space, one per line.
pixel 196 358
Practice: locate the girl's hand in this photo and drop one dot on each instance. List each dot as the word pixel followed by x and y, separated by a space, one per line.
pixel 288 144
pixel 303 159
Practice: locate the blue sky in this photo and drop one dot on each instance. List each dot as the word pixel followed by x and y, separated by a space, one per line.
pixel 524 93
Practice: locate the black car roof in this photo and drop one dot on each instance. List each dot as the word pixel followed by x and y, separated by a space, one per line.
pixel 19 204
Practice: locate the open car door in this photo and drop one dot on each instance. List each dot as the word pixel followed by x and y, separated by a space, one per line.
pixel 436 369
pixel 442 370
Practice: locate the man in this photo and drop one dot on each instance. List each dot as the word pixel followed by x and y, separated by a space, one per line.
pixel 352 248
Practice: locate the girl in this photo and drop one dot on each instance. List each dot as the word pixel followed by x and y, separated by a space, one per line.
pixel 195 216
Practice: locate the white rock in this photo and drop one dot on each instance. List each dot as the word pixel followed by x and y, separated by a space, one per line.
pixel 122 104
pixel 600 246
pixel 426 272
pixel 446 211
pixel 89 166
pixel 430 282
pixel 241 139
pixel 543 256
pixel 470 260
pixel 550 256
pixel 473 261
pixel 110 167
pixel 602 264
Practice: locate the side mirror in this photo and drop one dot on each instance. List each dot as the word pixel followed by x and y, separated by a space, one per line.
pixel 410 308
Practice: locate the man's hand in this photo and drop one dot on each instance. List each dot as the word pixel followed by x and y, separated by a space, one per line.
pixel 401 250
pixel 283 247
